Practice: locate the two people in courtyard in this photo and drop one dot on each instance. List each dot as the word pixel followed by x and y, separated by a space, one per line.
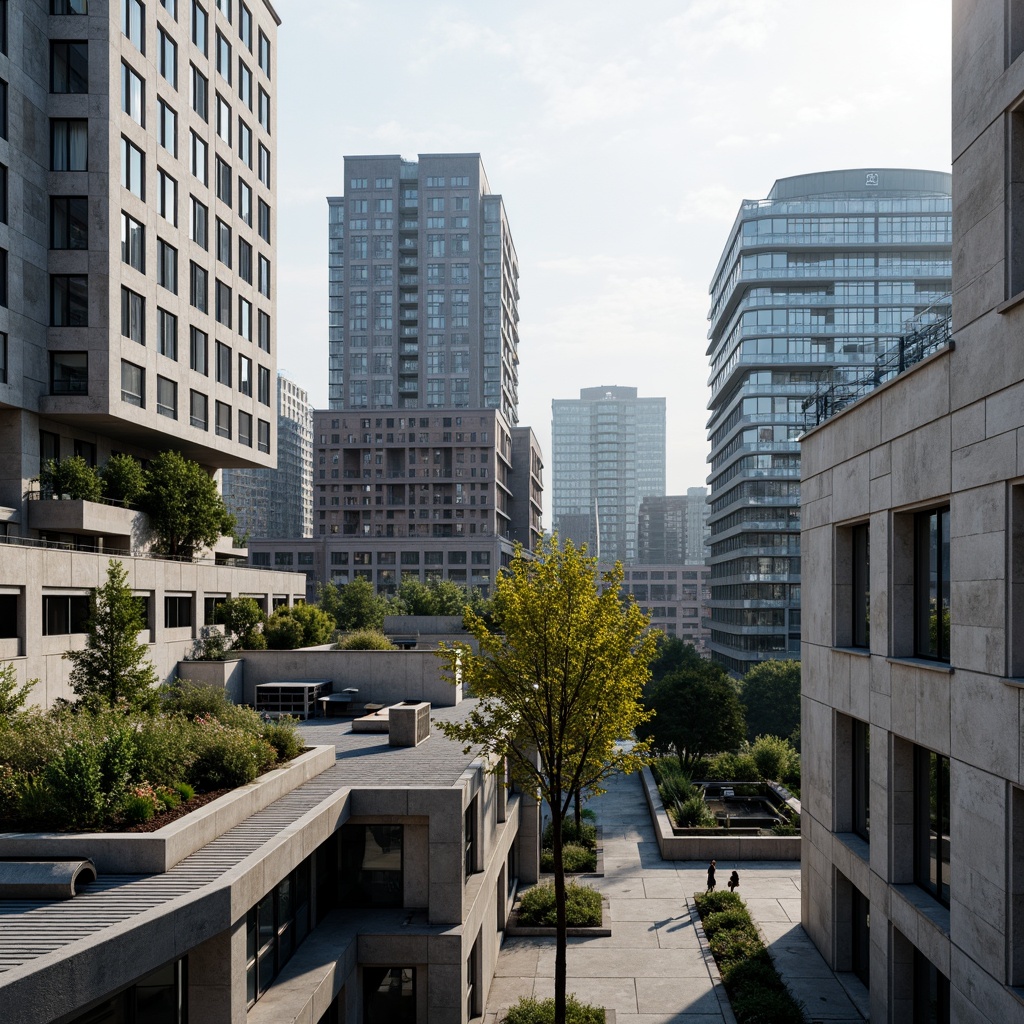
pixel 733 883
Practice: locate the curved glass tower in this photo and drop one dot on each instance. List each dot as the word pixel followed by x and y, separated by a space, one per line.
pixel 813 282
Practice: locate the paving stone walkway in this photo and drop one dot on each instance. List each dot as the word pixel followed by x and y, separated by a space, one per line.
pixel 653 969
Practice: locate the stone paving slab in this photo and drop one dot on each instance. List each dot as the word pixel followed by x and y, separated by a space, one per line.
pixel 675 995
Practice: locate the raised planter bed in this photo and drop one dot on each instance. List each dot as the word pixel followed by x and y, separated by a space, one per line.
pixel 598 871
pixel 712 844
pixel 148 853
pixel 603 930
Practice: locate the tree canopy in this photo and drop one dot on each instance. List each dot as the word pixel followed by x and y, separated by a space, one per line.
pixel 243 620
pixel 771 696
pixel 697 712
pixel 352 605
pixel 556 687
pixel 114 669
pixel 673 653
pixel 73 477
pixel 184 507
pixel 300 625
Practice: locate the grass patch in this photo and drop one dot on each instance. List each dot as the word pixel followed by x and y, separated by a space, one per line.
pixel 542 1011
pixel 582 906
pixel 755 989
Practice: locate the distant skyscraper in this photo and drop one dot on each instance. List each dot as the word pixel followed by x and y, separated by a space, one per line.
pixel 278 502
pixel 673 530
pixel 814 281
pixel 608 453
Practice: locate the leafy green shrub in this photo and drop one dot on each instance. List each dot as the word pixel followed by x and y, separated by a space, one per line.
pixel 300 625
pixel 284 738
pixel 771 1007
pixel 585 836
pixel 732 768
pixel 13 697
pixel 169 798
pixel 756 971
pixel 693 812
pixel 776 759
pixel 535 1011
pixel 228 757
pixel 788 828
pixel 194 701
pixel 138 809
pixel 165 749
pixel 718 900
pixel 123 479
pixel 733 917
pixel 582 906
pixel 73 477
pixel 184 790
pixel 574 858
pixel 74 780
pixel 365 640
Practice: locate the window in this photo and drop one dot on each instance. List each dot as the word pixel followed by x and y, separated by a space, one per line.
pixel 245 318
pixel 166 334
pixel 861 736
pixel 931 823
pixel 133 316
pixel 198 410
pixel 244 144
pixel 223 58
pixel 263 330
pixel 171 7
pixel 222 309
pixel 223 181
pixel 200 167
pixel 133 243
pixel 3 193
pixel 245 26
pixel 263 394
pixel 133 22
pixel 263 109
pixel 200 93
pixel 69 300
pixel 69 66
pixel 263 436
pixel 168 197
pixel 371 866
pixel 263 170
pixel 223 424
pixel 264 59
pixel 223 119
pixel 168 58
pixel 200 22
pixel 69 374
pixel 244 83
pixel 167 266
pixel 133 384
pixel 223 364
pixel 264 221
pixel 245 202
pixel 68 7
pixel 166 397
pixel 69 222
pixel 69 145
pixel 931 584
pixel 931 992
pixel 224 6
pixel 64 614
pixel 263 280
pixel 198 288
pixel 470 851
pixel 177 612
pixel 168 128
pixel 244 375
pixel 245 429
pixel 198 223
pixel 197 351
pixel 223 242
pixel 4 356
pixel 245 261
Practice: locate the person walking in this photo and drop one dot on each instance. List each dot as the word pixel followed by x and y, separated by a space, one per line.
pixel 711 876
pixel 734 881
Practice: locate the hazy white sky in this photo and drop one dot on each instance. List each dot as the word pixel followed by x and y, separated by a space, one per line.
pixel 623 137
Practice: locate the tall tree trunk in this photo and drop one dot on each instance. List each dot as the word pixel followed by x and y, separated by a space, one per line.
pixel 560 936
pixel 577 814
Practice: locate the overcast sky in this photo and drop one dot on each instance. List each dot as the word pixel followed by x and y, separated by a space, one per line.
pixel 623 137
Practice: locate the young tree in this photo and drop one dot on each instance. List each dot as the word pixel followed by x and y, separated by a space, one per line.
pixel 72 476
pixel 353 605
pixel 301 625
pixel 673 653
pixel 114 669
pixel 242 618
pixel 696 712
pixel 13 697
pixel 556 687
pixel 771 695
pixel 183 506
pixel 123 479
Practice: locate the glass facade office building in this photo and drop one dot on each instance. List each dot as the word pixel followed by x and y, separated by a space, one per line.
pixel 813 283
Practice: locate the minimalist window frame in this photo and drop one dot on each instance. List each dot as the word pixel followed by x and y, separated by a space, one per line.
pixel 166 397
pixel 69 300
pixel 198 351
pixel 166 334
pixel 69 375
pixel 199 410
pixel 932 823
pixel 69 222
pixel 133 315
pixel 932 584
pixel 133 384
pixel 69 66
pixel 69 144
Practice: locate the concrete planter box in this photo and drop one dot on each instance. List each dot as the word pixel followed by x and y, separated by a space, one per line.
pixel 147 853
pixel 228 676
pixel 726 845
pixel 601 931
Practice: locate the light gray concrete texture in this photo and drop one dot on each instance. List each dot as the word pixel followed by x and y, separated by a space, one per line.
pixel 655 968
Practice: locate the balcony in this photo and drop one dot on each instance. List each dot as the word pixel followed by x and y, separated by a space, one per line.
pixel 114 526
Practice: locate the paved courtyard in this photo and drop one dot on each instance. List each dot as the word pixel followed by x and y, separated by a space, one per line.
pixel 653 969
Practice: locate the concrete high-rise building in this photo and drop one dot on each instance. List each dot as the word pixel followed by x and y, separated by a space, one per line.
pixel 913 504
pixel 607 455
pixel 673 530
pixel 278 502
pixel 137 218
pixel 812 284
pixel 421 469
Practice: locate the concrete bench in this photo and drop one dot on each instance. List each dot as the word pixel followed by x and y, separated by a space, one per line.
pixel 44 879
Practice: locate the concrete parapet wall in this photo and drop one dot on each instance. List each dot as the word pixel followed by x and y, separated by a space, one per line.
pixel 705 847
pixel 144 853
